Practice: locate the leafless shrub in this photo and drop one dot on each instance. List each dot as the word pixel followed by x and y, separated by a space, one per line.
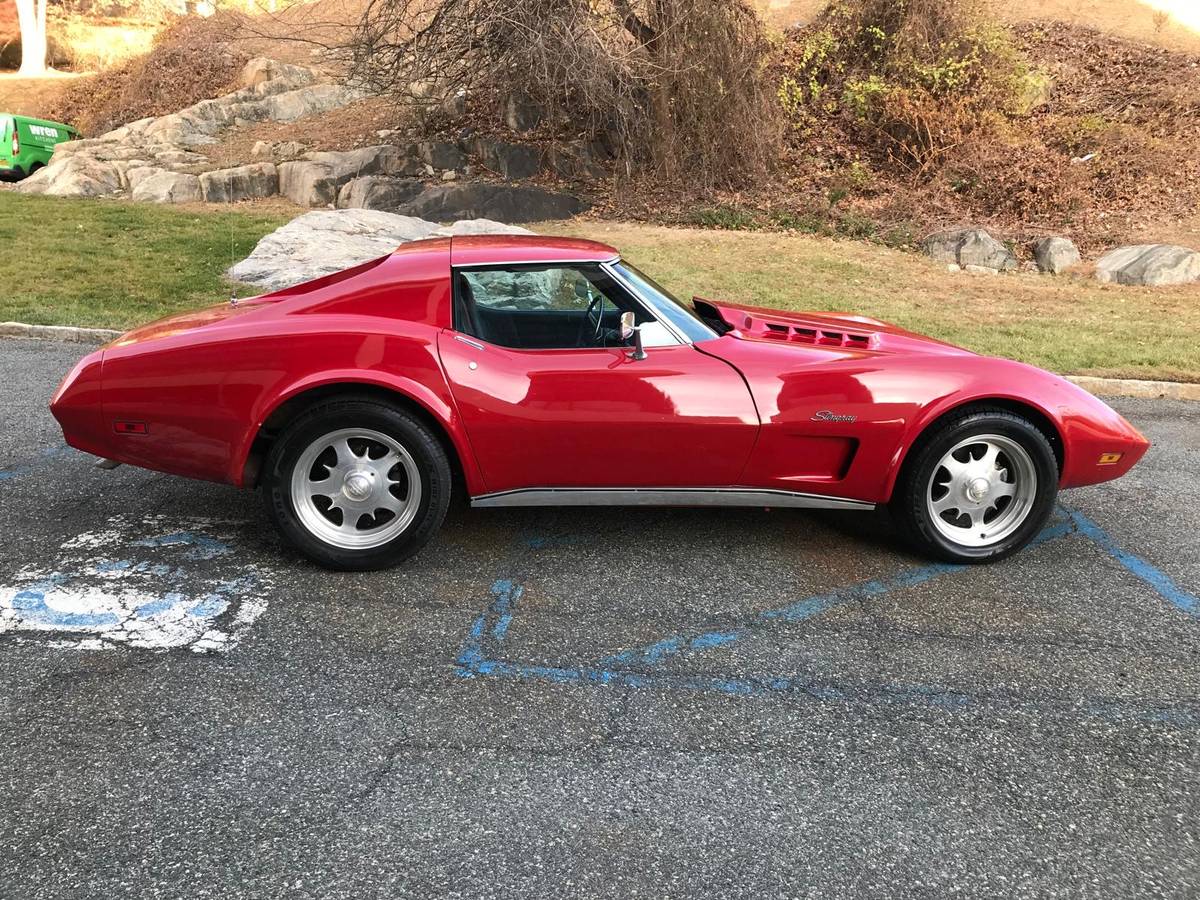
pixel 673 85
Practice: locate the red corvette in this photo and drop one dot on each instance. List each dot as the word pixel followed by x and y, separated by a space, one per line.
pixel 533 371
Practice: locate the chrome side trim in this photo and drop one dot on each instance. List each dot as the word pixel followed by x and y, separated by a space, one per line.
pixel 665 497
pixel 468 341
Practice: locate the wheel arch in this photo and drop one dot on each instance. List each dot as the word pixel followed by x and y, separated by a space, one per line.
pixel 1035 414
pixel 294 403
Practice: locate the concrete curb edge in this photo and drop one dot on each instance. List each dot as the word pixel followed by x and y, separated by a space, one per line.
pixel 1129 387
pixel 63 333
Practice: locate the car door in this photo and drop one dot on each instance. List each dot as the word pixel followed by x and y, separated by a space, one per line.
pixel 551 396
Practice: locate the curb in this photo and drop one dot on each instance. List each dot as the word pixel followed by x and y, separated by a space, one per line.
pixel 1102 387
pixel 62 333
pixel 1129 387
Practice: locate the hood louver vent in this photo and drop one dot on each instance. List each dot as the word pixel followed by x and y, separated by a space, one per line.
pixel 822 337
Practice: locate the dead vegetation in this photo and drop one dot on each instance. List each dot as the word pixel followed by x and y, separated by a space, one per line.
pixel 192 59
pixel 673 86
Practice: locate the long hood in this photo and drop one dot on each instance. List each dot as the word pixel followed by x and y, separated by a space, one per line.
pixel 832 330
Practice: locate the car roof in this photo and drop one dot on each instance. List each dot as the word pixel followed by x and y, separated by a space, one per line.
pixel 494 249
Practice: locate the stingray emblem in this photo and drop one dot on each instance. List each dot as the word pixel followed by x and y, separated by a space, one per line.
pixel 827 416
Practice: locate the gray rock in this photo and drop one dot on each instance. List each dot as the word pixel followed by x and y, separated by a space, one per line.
pixel 969 247
pixel 317 180
pixel 289 149
pixel 179 158
pixel 261 69
pixel 509 203
pixel 308 183
pixel 1055 254
pixel 307 101
pixel 1149 264
pixel 135 175
pixel 440 154
pixel 168 187
pixel 477 226
pixel 522 114
pixel 240 183
pixel 325 241
pixel 378 192
pixel 576 160
pixel 74 176
pixel 261 150
pixel 509 160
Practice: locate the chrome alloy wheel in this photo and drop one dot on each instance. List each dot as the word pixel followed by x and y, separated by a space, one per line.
pixel 356 488
pixel 982 490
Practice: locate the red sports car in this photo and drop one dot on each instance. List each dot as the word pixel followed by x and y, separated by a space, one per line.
pixel 531 371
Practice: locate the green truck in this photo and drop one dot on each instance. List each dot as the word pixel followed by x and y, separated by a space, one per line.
pixel 26 144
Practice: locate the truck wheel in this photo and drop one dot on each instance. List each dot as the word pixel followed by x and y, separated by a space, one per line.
pixel 977 488
pixel 357 484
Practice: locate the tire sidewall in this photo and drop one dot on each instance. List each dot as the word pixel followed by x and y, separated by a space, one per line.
pixel 432 467
pixel 914 511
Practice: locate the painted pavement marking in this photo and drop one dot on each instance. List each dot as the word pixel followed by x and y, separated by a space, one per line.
pixel 140 583
pixel 482 652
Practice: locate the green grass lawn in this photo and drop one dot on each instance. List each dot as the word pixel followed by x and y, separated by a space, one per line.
pixel 114 264
pixel 110 264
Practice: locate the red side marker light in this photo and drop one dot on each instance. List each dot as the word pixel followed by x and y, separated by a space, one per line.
pixel 122 427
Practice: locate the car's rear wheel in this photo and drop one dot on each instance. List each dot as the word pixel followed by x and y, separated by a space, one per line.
pixel 357 484
pixel 978 487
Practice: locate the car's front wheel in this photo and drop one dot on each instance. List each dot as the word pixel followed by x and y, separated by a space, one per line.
pixel 357 484
pixel 978 487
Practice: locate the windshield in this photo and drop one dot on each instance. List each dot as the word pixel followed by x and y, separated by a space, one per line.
pixel 679 314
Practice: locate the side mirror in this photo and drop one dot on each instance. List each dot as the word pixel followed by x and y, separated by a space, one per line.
pixel 630 329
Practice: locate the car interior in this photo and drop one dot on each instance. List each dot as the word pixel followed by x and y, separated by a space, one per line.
pixel 540 307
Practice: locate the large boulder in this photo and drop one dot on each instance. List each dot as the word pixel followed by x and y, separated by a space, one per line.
pixel 1055 254
pixel 316 181
pixel 378 192
pixel 1149 264
pixel 477 200
pixel 325 241
pixel 969 247
pixel 161 186
pixel 74 176
pixel 240 183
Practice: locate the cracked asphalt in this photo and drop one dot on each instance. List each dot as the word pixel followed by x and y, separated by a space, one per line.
pixel 658 703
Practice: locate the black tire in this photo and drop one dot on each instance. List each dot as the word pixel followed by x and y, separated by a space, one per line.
pixel 910 507
pixel 408 431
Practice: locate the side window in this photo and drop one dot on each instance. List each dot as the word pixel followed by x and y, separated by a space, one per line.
pixel 542 307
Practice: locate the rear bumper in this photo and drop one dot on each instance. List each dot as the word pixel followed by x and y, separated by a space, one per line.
pixel 78 407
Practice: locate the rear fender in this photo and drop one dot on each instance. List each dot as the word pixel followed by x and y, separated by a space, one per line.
pixel 439 409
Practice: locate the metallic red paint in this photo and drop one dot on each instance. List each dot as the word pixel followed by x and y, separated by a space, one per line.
pixel 818 403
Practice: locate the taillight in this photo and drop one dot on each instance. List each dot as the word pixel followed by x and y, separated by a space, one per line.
pixel 16 141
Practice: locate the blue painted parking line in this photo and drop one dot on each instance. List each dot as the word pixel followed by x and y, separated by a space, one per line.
pixel 10 473
pixel 484 652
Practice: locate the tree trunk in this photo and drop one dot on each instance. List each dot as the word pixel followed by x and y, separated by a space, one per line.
pixel 31 18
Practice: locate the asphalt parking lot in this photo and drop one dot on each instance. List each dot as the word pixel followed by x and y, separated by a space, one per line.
pixel 617 702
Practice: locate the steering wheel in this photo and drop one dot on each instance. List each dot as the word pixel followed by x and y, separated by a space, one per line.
pixel 594 319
